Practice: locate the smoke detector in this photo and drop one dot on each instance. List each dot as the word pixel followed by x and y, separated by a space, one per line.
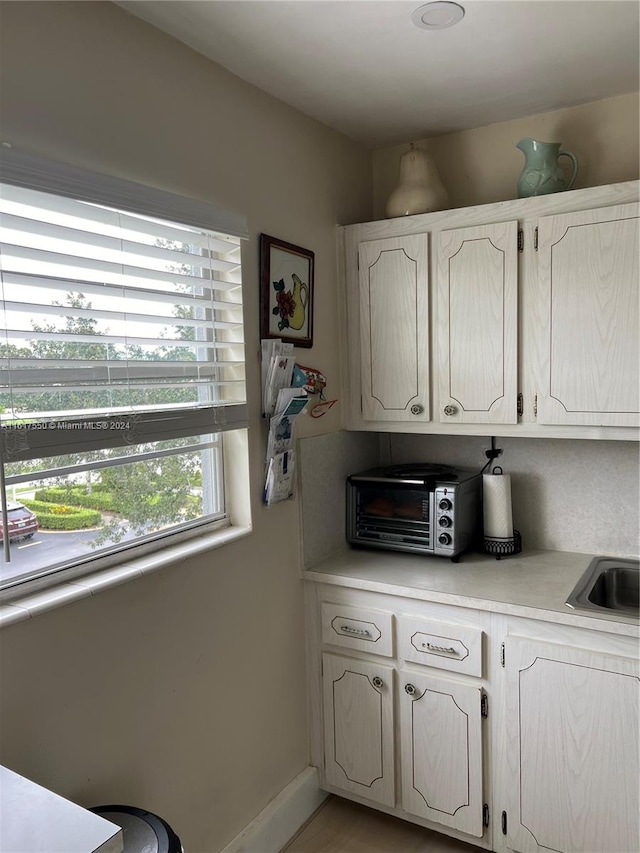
pixel 438 15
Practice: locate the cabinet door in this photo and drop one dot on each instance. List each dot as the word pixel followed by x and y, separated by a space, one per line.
pixel 572 727
pixel 441 737
pixel 590 345
pixel 358 727
pixel 478 324
pixel 394 323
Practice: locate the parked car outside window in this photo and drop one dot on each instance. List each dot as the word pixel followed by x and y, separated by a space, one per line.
pixel 22 522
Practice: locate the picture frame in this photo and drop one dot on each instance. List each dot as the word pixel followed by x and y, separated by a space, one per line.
pixel 286 291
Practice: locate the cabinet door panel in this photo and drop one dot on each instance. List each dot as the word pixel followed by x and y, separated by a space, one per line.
pixel 358 726
pixel 572 723
pixel 441 735
pixel 394 312
pixel 477 323
pixel 589 276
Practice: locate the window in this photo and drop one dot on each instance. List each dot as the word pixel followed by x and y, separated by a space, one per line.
pixel 121 367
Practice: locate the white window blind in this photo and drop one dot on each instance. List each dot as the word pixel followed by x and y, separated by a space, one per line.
pixel 106 314
pixel 22 169
pixel 122 335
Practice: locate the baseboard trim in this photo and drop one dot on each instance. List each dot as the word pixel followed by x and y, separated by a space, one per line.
pixel 282 818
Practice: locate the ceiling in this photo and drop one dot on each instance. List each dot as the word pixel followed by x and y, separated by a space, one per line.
pixel 363 68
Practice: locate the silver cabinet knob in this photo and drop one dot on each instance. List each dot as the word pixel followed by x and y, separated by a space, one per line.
pixel 378 682
pixel 410 689
pixel 416 409
pixel 450 410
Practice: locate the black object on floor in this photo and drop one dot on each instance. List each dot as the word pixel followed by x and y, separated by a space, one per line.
pixel 143 832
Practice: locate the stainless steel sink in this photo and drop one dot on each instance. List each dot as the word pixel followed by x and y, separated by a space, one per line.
pixel 609 584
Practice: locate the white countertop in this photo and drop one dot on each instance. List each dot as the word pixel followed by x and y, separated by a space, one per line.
pixel 533 584
pixel 35 820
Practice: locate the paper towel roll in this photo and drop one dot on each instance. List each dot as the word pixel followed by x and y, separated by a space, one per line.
pixel 498 518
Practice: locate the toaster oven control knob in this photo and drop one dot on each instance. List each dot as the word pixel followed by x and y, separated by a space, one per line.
pixel 445 504
pixel 444 521
pixel 444 539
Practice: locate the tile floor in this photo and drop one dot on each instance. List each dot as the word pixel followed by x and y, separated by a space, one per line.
pixel 341 826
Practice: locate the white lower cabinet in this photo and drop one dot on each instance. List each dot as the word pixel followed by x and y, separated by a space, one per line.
pixel 397 731
pixel 513 734
pixel 441 742
pixel 359 727
pixel 573 730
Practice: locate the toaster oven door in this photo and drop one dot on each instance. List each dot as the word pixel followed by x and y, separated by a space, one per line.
pixel 394 516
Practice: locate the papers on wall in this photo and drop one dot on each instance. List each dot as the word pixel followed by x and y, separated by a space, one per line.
pixel 279 479
pixel 282 405
pixel 277 371
pixel 291 403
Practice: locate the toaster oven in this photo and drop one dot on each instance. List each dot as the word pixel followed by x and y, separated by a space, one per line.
pixel 422 508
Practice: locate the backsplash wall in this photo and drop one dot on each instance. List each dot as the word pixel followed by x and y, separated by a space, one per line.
pixel 324 462
pixel 567 495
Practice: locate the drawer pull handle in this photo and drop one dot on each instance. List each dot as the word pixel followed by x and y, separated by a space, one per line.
pixel 433 648
pixel 410 689
pixel 378 682
pixel 360 632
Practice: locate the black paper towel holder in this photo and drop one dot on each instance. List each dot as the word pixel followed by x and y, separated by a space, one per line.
pixel 503 547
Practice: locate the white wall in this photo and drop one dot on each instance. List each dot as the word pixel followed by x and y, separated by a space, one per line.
pixel 183 692
pixel 483 165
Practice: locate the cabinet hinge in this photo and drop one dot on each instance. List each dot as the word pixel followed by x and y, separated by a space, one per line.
pixel 535 406
pixel 520 240
pixel 520 405
pixel 361 405
pixel 502 655
pixel 484 705
pixel 358 261
pixel 535 239
pixel 485 815
pixel 503 822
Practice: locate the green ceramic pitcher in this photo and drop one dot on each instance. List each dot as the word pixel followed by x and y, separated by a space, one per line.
pixel 542 174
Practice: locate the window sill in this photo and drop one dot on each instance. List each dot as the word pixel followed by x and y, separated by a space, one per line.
pixel 27 606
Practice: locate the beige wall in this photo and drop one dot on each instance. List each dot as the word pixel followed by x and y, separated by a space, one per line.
pixel 483 165
pixel 184 692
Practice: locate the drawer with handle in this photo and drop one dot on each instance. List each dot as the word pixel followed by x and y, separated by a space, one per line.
pixel 357 628
pixel 457 648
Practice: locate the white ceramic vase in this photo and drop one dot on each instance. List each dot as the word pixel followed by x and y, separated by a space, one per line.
pixel 420 189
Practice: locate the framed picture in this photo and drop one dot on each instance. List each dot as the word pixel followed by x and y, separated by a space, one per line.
pixel 286 292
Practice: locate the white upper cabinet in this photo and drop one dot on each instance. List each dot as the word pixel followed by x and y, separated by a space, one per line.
pixel 477 273
pixel 518 318
pixel 394 328
pixel 588 276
